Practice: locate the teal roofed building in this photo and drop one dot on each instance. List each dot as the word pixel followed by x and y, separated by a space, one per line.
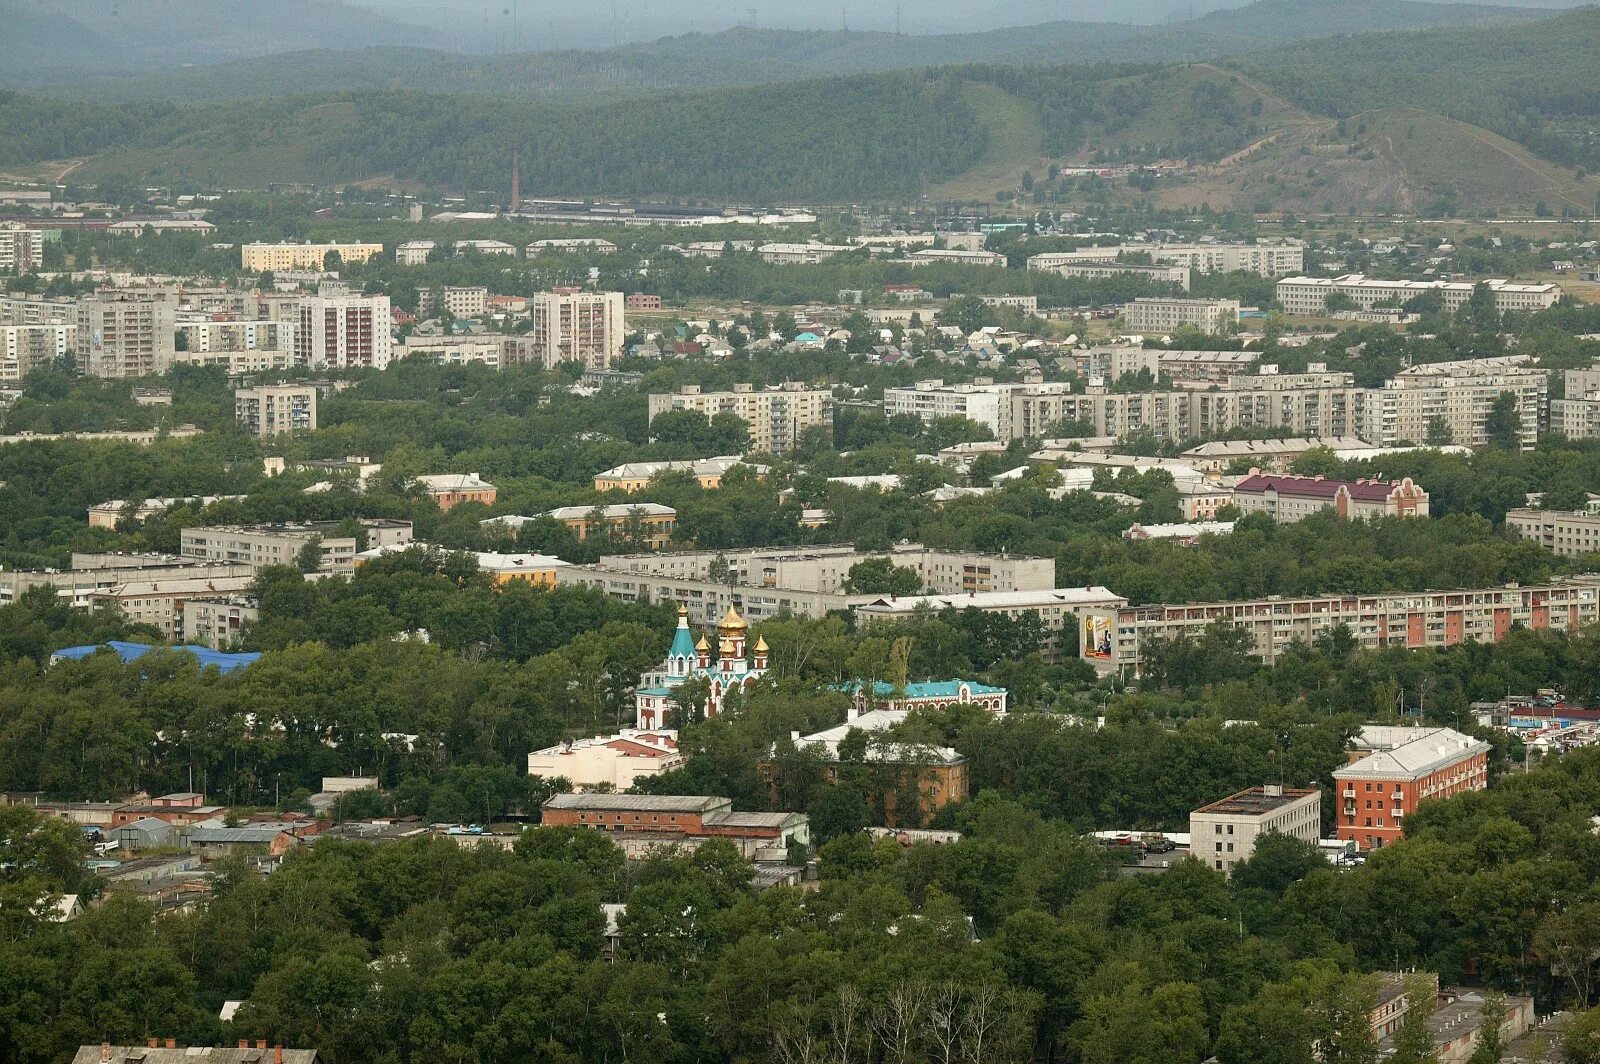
pixel 929 694
pixel 731 667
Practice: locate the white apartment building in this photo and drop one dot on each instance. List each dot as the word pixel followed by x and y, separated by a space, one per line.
pixel 460 301
pixel 1156 314
pixel 987 404
pixel 933 256
pixel 414 252
pixel 343 331
pixel 21 248
pixel 238 363
pixel 1577 415
pixel 776 416
pixel 1225 833
pixel 203 334
pixel 1462 394
pixel 31 310
pixel 1309 295
pixel 1574 534
pixel 484 247
pixel 571 325
pixel 125 334
pixel 260 546
pixel 1026 304
pixel 1267 260
pixel 455 350
pixel 25 348
pixel 570 246
pixel 271 409
pixel 1100 271
pixel 264 258
pixel 797 254
pixel 217 621
pixel 162 603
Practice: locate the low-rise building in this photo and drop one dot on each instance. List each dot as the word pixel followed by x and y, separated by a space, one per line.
pixel 218 621
pixel 160 603
pixel 271 258
pixel 271 409
pixel 936 775
pixel 571 246
pixel 1288 499
pixel 636 476
pixel 796 254
pixel 92 573
pixel 155 1051
pixel 484 247
pixel 954 256
pixel 1394 768
pixel 1156 314
pixel 1098 271
pixel 928 694
pixel 540 570
pixel 642 301
pixel 1309 295
pixel 260 546
pixel 648 524
pixel 449 490
pixel 615 761
pixel 414 252
pixel 659 820
pixel 1569 534
pixel 1225 833
pixel 1057 610
pixel 1186 533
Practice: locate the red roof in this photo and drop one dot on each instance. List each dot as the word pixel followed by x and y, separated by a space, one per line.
pixel 1317 487
pixel 632 749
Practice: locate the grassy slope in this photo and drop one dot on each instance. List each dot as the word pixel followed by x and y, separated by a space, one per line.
pixel 1014 138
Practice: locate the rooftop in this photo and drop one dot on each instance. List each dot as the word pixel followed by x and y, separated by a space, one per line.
pixel 1318 487
pixel 642 803
pixel 205 656
pixel 1433 749
pixel 998 600
pixel 1257 801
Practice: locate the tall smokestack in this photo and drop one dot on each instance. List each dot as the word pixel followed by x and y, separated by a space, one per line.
pixel 516 184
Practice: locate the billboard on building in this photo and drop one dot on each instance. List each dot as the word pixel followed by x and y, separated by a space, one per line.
pixel 1097 637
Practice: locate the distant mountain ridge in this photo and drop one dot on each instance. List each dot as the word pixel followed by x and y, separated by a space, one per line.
pixel 744 56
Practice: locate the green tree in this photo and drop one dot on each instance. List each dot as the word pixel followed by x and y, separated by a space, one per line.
pixel 880 576
pixel 1413 1040
pixel 1503 426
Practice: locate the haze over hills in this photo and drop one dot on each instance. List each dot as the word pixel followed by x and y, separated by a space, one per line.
pixel 752 56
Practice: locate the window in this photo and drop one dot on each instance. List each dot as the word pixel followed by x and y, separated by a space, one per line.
pixel 1230 847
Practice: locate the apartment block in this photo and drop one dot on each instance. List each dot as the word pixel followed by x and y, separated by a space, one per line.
pixel 649 523
pixel 1289 499
pixel 343 331
pixel 93 573
pixel 239 363
pixel 987 404
pixel 21 248
pixel 1156 314
pixel 1058 610
pixel 1100 271
pixel 414 252
pixel 797 254
pixel 955 256
pixel 161 603
pixel 125 334
pixel 1225 833
pixel 1573 534
pixel 459 301
pixel 1267 260
pixel 25 348
pixel 260 546
pixel 1460 396
pixel 1309 295
pixel 1409 619
pixel 218 621
pixel 270 258
pixel 271 409
pixel 1394 768
pixel 201 334
pixel 470 349
pixel 35 310
pixel 571 325
pixel 636 476
pixel 775 416
pixel 1577 415
pixel 452 489
pixel 1026 304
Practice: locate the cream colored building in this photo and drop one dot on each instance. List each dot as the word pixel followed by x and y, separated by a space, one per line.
pixel 775 416
pixel 1266 260
pixel 263 258
pixel 1099 271
pixel 1308 296
pixel 617 761
pixel 1569 534
pixel 25 348
pixel 271 409
pixel 1157 315
pixel 1225 833
pixel 414 252
pixel 571 325
pixel 125 334
pixel 268 545
pixel 343 331
pixel 21 248
pixel 455 350
pixel 217 621
pixel 160 603
pixel 201 334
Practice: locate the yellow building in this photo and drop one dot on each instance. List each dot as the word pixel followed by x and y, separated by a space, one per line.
pixel 537 569
pixel 260 258
pixel 650 523
pixel 636 476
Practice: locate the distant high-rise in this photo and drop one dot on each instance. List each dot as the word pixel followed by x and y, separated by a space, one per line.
pixel 126 334
pixel 516 184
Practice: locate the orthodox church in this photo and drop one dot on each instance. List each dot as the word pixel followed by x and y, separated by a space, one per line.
pixel 688 660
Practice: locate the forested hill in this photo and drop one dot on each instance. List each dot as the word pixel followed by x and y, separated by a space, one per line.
pixel 746 56
pixel 901 134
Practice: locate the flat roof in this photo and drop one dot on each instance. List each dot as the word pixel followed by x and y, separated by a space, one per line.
pixel 1256 801
pixel 644 803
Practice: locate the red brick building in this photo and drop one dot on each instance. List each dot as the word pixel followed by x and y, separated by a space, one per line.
pixel 1394 768
pixel 671 817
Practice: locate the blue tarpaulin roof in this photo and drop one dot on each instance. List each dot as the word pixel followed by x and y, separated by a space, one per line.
pixel 134 651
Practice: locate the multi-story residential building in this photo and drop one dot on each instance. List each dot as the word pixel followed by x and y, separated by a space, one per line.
pixel 1576 419
pixel 642 301
pixel 199 334
pixel 1026 304
pixel 540 570
pixel 636 476
pixel 125 334
pixel 25 348
pixel 797 254
pixel 459 301
pixel 484 247
pixel 453 489
pixel 343 331
pixel 986 403
pixel 110 513
pixel 1309 295
pixel 218 621
pixel 571 246
pixel 1099 271
pixel 1394 768
pixel 261 546
pixel 92 573
pixel 238 363
pixel 160 603
pixel 571 325
pixel 1267 260
pixel 1057 610
pixel 775 417
pixel 270 258
pixel 1410 619
pixel 615 761
pixel 647 523
pixel 270 409
pixel 35 310
pixel 1458 397
pixel 1570 534
pixel 1163 314
pixel 1288 499
pixel 1225 833
pixel 935 256
pixel 481 349
pixel 414 252
pixel 21 248
pixel 1192 414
